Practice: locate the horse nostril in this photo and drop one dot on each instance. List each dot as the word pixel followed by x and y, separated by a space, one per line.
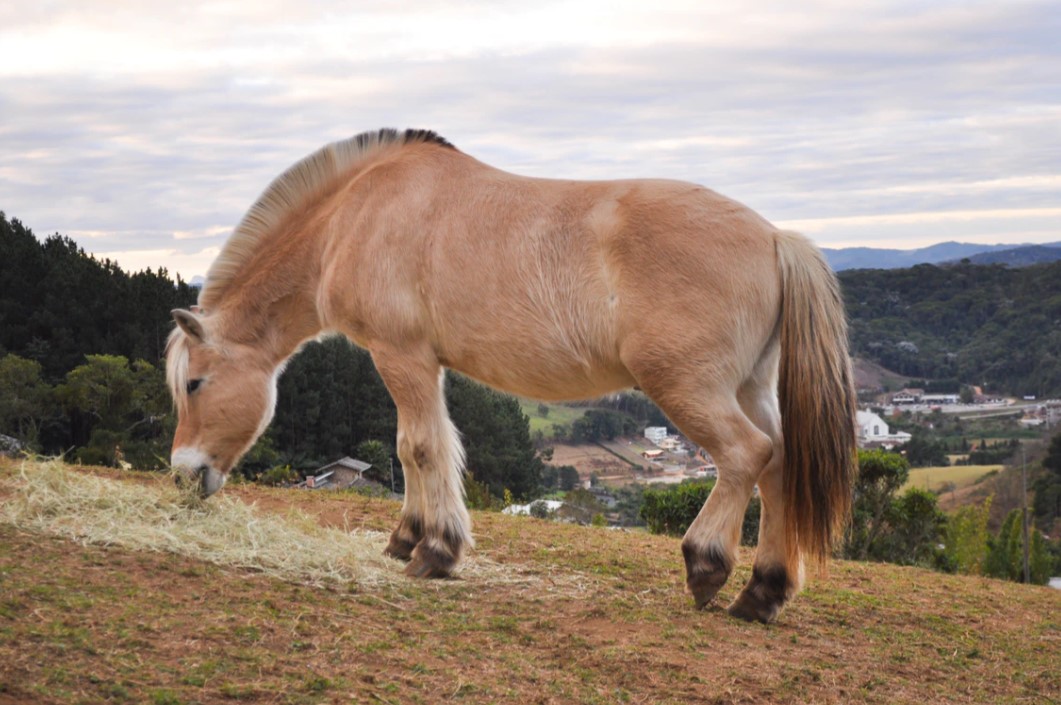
pixel 187 478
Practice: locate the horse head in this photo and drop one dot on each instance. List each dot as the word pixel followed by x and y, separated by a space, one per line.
pixel 225 394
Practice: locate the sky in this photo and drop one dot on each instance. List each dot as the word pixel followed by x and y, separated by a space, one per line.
pixel 145 129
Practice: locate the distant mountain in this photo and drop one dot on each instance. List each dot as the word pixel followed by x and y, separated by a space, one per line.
pixel 879 258
pixel 197 281
pixel 1023 256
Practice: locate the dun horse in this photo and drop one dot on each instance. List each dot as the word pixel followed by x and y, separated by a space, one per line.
pixel 548 289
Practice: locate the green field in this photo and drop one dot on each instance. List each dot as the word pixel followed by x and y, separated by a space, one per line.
pixel 935 478
pixel 559 415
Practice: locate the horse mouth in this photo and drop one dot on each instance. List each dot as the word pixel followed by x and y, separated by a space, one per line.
pixel 203 480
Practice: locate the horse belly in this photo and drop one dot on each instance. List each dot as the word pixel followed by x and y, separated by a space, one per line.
pixel 542 373
pixel 540 358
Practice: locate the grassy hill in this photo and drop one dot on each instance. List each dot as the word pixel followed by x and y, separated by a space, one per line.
pixel 935 479
pixel 544 613
pixel 985 325
pixel 558 415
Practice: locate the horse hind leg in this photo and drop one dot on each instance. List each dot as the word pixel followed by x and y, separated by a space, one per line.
pixel 435 528
pixel 777 571
pixel 708 413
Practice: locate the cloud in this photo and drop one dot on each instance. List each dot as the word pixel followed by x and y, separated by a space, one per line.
pixel 174 261
pixel 154 126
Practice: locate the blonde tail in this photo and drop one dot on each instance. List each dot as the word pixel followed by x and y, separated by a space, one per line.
pixel 817 397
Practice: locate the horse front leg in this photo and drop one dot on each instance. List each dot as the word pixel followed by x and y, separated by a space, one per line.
pixel 410 527
pixel 434 529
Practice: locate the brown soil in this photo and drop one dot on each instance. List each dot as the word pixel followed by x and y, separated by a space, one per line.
pixel 589 458
pixel 870 375
pixel 597 616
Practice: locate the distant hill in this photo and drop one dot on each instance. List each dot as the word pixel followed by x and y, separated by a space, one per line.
pixel 1023 256
pixel 988 325
pixel 880 258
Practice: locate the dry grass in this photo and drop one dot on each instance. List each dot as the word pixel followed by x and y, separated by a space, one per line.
pixel 546 613
pixel 157 515
pixel 936 478
pixel 49 497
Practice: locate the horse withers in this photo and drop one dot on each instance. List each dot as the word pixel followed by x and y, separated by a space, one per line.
pixel 550 289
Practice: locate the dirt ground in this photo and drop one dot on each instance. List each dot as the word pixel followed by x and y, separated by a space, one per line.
pixel 590 458
pixel 606 460
pixel 870 375
pixel 589 615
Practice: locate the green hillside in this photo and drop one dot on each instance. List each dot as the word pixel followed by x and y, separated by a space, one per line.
pixel 991 326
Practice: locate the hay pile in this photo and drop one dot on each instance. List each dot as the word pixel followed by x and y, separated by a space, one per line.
pixel 51 498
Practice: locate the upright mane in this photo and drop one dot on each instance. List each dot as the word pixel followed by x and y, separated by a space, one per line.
pixel 300 183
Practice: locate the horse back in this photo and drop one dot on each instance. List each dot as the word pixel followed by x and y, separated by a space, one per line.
pixel 532 285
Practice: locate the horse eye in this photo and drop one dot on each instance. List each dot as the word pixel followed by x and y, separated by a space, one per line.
pixel 193 385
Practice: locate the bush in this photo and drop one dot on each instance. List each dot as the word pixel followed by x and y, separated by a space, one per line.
pixel 671 510
pixel 278 475
pixel 539 509
pixel 1005 557
pixel 966 538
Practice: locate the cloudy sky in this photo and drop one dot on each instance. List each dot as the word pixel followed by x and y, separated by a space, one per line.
pixel 145 129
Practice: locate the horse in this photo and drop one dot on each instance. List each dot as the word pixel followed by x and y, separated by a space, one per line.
pixel 549 289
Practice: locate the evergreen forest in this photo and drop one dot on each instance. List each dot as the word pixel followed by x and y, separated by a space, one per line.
pixel 990 326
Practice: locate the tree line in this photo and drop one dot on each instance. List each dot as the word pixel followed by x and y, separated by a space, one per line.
pixel 989 326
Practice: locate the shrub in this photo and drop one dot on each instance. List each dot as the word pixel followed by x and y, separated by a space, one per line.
pixel 670 510
pixel 966 538
pixel 278 475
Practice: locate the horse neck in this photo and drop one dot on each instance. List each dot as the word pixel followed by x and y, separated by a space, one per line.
pixel 275 307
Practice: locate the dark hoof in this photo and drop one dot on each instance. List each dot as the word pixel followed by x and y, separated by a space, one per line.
pixel 404 539
pixel 431 560
pixel 399 547
pixel 763 597
pixel 706 571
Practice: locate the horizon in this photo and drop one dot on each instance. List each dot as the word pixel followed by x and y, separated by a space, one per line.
pixel 145 132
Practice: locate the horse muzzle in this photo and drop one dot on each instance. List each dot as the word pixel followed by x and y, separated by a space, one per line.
pixel 201 476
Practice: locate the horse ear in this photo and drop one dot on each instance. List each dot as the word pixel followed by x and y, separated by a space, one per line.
pixel 189 323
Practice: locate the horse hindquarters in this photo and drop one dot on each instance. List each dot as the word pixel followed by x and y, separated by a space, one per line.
pixel 720 385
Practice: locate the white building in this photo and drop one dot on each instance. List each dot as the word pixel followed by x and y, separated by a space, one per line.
pixel 873 429
pixel 941 399
pixel 671 444
pixel 551 505
pixel 656 434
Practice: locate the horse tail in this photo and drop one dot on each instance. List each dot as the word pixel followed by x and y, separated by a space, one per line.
pixel 817 399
